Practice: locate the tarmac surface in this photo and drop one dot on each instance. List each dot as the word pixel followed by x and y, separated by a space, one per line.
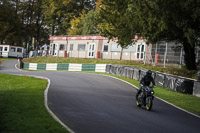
pixel 91 103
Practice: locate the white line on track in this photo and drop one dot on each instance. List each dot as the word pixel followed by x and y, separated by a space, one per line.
pixel 46 98
pixel 137 89
pixel 156 97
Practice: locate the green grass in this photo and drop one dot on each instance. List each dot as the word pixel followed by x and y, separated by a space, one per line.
pixel 5 59
pixel 187 102
pixel 170 70
pixel 22 106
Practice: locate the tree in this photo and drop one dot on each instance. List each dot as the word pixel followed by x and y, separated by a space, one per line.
pixel 76 25
pixel 115 22
pixel 9 22
pixel 86 24
pixel 21 21
pixel 169 20
pixel 58 13
pixel 90 23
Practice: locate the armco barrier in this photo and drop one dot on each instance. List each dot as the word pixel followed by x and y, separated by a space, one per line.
pixel 75 67
pixel 160 79
pixel 174 83
pixel 32 66
pixel 129 72
pixel 196 91
pixel 136 74
pixel 171 82
pixel 100 68
pixel 51 66
pixel 62 67
pixel 65 67
pixel 184 85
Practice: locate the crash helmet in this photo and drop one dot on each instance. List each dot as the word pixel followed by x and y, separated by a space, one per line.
pixel 149 73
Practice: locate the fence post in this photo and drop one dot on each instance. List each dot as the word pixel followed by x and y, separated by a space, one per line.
pixel 165 55
pixel 155 54
pixel 181 56
pixel 197 53
pixel 144 58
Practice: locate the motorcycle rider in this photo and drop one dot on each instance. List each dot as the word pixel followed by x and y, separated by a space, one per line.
pixel 146 81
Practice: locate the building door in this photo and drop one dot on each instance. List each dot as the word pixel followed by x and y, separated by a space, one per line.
pixel 140 51
pixel 91 50
pixel 1 50
pixel 55 50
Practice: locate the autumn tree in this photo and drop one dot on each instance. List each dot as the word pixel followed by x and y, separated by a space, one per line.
pixel 59 13
pixel 86 24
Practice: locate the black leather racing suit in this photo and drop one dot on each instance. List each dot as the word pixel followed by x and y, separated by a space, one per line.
pixel 145 81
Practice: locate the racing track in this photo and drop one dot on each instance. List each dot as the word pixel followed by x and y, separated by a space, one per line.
pixel 91 103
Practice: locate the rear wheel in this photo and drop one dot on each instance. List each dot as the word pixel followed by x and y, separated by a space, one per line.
pixel 149 103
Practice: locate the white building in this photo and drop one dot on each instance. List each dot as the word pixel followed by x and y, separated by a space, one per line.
pixel 95 47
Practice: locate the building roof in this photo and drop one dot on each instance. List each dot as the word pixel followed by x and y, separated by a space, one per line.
pixel 78 37
pixel 84 37
pixel 10 45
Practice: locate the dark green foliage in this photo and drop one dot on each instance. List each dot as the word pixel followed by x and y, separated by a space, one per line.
pixel 116 23
pixel 21 21
pixel 155 20
pixel 168 20
pixel 90 22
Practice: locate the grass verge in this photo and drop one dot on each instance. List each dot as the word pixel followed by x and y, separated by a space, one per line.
pixel 187 102
pixel 22 106
pixel 5 59
pixel 170 70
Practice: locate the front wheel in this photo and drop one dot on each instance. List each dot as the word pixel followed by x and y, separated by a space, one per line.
pixel 138 99
pixel 138 104
pixel 149 103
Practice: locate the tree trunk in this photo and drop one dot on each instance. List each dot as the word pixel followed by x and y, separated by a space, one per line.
pixel 190 56
pixel 53 30
pixel 121 53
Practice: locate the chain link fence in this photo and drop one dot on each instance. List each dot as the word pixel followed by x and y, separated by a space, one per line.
pixel 165 54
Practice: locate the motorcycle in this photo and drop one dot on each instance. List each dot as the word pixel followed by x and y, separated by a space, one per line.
pixel 145 97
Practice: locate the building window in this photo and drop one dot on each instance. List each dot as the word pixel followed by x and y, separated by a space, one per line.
pixel 5 48
pixel 71 47
pixel 105 48
pixel 140 51
pixel 62 47
pixel 12 49
pixel 19 50
pixel 81 47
